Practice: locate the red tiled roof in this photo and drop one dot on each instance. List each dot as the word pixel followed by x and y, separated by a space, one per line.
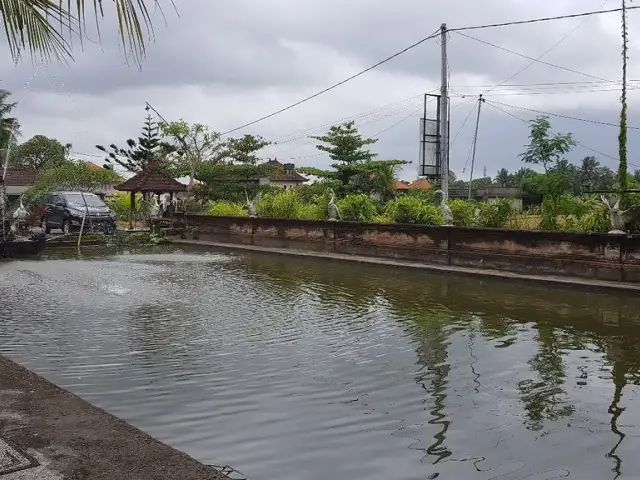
pixel 20 178
pixel 151 179
pixel 95 166
pixel 421 183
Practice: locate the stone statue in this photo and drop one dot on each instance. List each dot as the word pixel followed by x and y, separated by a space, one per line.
pixel 154 208
pixel 332 208
pixel 447 214
pixel 619 219
pixel 20 219
pixel 252 205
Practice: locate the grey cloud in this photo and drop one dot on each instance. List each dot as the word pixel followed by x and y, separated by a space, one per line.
pixel 239 46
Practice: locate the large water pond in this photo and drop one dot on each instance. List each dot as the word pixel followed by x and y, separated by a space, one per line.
pixel 294 369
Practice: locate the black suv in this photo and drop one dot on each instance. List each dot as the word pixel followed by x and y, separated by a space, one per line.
pixel 64 210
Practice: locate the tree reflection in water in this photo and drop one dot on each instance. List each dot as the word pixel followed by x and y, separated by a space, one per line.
pixel 430 307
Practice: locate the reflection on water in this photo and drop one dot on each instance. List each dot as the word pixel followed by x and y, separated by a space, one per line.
pixel 291 368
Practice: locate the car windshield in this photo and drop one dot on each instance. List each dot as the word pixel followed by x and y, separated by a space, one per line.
pixel 75 199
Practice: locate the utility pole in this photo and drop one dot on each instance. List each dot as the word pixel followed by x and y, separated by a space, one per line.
pixel 444 113
pixel 475 143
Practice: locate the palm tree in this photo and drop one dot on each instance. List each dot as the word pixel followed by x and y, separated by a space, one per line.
pixel 502 178
pixel 9 126
pixel 383 181
pixel 44 26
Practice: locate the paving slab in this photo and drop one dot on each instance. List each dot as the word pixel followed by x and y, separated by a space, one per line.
pixel 47 433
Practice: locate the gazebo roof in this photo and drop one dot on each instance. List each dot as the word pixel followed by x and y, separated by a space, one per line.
pixel 151 179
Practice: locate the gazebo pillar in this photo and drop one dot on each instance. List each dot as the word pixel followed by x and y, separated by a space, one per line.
pixel 133 209
pixel 171 209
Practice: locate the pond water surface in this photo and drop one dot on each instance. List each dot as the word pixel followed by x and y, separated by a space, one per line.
pixel 293 369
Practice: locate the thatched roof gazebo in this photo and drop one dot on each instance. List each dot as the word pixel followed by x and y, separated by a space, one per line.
pixel 151 180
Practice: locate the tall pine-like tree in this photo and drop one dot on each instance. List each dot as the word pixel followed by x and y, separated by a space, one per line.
pixel 136 156
pixel 354 163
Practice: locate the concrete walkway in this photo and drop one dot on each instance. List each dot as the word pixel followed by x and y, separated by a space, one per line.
pixel 549 279
pixel 70 439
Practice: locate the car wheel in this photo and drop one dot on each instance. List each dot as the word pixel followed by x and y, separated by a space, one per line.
pixel 66 227
pixel 45 226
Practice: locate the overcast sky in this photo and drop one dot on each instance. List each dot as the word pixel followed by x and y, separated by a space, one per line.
pixel 228 63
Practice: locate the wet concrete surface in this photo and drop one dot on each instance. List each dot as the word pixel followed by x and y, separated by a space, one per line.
pixel 72 439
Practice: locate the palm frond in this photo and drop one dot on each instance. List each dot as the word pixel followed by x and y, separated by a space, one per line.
pixel 30 25
pixel 40 26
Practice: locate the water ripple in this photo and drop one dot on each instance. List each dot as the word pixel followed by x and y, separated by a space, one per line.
pixel 295 369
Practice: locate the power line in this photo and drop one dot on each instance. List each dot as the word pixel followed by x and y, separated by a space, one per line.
pixel 359 125
pixel 552 92
pixel 473 109
pixel 579 144
pixel 550 84
pixel 568 117
pixel 554 46
pixel 578 72
pixel 398 123
pixel 542 19
pixel 335 85
pixel 303 133
pixel 419 42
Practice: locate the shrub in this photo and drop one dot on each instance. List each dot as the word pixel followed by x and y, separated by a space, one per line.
pixel 34 196
pixel 410 209
pixel 282 204
pixel 566 212
pixel 121 204
pixel 226 209
pixel 497 214
pixel 357 208
pixel 464 213
pixel 309 193
pixel 310 211
pixel 195 205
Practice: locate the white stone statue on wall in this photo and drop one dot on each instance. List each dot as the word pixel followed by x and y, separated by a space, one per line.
pixel 332 208
pixel 447 214
pixel 618 218
pixel 252 205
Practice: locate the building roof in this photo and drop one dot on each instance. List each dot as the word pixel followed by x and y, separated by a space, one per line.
pixel 151 179
pixel 287 174
pixel 421 183
pixel 402 186
pixel 284 177
pixel 95 166
pixel 17 177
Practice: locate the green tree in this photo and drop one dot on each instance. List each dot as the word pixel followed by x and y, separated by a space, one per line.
pixel 354 167
pixel 382 180
pixel 9 126
pixel 234 174
pixel 345 145
pixel 545 149
pixel 76 177
pixel 43 26
pixel 136 156
pixel 245 150
pixel 40 152
pixel 503 179
pixel 194 143
pixel 589 169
